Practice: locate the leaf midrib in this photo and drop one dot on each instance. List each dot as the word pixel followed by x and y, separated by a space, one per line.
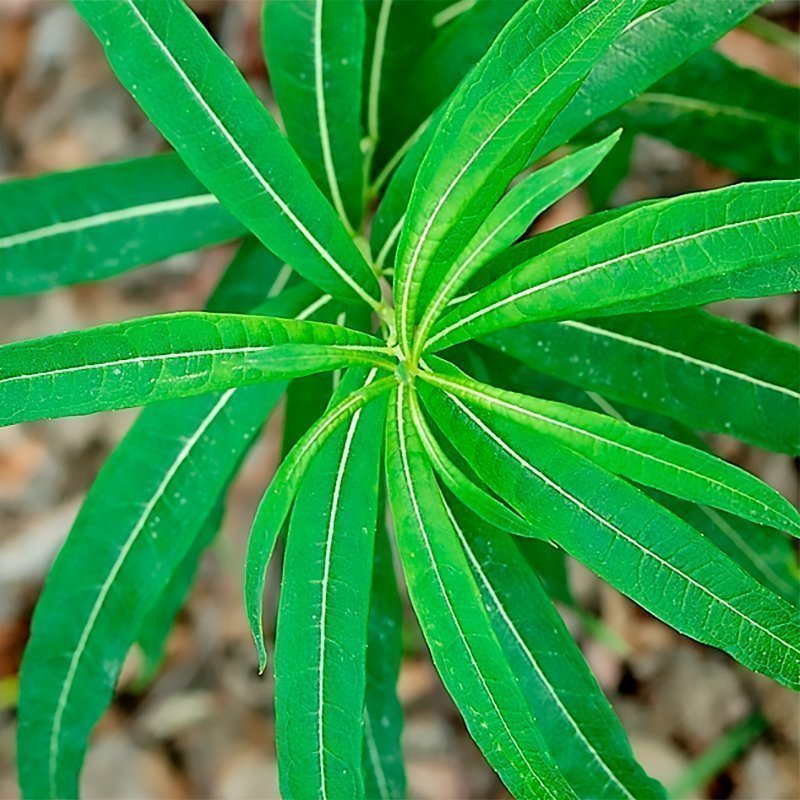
pixel 600 265
pixel 605 523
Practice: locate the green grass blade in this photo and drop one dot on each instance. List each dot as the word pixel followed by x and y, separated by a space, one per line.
pixel 486 134
pixel 640 255
pixel 321 642
pixel 634 453
pixel 160 358
pixel 384 773
pixel 91 224
pixel 586 738
pixel 721 376
pixel 202 105
pixel 279 497
pixel 314 51
pixel 633 543
pixel 455 623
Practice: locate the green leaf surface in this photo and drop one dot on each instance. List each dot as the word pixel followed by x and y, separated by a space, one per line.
pixel 729 115
pixel 704 371
pixel 640 255
pixel 158 624
pixel 202 105
pixel 585 737
pixel 320 649
pixel 654 45
pixel 279 497
pixel 633 543
pixel 509 220
pixel 634 453
pixel 94 223
pixel 384 774
pixel 160 358
pixel 145 515
pixel 455 623
pixel 398 33
pixel 487 132
pixel 314 51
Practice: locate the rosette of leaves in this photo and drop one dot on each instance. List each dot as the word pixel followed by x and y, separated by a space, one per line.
pixel 514 400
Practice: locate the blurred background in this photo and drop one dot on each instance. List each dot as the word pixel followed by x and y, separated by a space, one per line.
pixel 204 729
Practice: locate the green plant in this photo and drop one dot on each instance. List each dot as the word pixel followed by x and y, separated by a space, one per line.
pixel 592 361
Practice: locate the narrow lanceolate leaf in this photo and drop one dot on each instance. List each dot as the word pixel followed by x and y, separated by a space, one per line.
pixel 94 223
pixel 145 515
pixel 314 51
pixel 709 373
pixel 635 453
pixel 160 358
pixel 398 33
pixel 455 622
pixel 643 254
pixel 162 54
pixel 654 45
pixel 770 559
pixel 587 741
pixel 320 649
pixel 382 763
pixel 509 220
pixel 476 497
pixel 488 130
pixel 279 497
pixel 729 115
pixel 157 625
pixel 633 543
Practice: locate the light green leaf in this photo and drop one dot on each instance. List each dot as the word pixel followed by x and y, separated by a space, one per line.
pixel 509 220
pixel 454 621
pixel 640 255
pixel 143 516
pixel 487 132
pixel 466 488
pixel 314 51
pixel 384 775
pixel 159 358
pixel 635 453
pixel 94 223
pixel 704 371
pixel 279 497
pixel 202 105
pixel 633 543
pixel 653 46
pixel 586 739
pixel 320 648
pixel 725 113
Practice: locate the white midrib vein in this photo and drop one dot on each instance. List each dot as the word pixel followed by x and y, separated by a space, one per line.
pixel 490 400
pixel 445 293
pixel 376 70
pixel 337 489
pixel 616 531
pixel 476 566
pixel 601 265
pixel 108 218
pixel 168 356
pixel 375 757
pixel 403 310
pixel 80 648
pixel 443 592
pixel 696 104
pixel 705 365
pixel 277 199
pixel 322 118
